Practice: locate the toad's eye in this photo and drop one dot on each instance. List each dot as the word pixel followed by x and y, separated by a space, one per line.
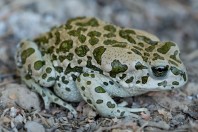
pixel 159 71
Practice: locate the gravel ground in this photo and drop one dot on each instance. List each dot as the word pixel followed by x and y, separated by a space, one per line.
pixel 22 110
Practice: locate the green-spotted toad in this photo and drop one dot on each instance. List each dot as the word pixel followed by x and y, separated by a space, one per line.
pixel 88 59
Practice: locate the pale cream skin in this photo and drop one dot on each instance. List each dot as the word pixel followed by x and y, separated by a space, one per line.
pixel 88 59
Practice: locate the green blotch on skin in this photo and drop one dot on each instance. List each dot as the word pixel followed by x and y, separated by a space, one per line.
pixel 163 83
pixel 70 56
pixel 50 50
pixel 99 89
pixel 48 70
pixel 63 79
pixel 82 50
pixel 123 76
pixel 74 69
pixel 21 44
pixel 126 32
pixel 147 40
pixel 105 83
pixel 109 35
pixel 157 57
pixel 136 52
pixel 184 76
pixel 88 82
pixel 74 33
pixel 122 113
pixel 141 44
pixel 82 38
pixel 50 35
pixel 74 77
pixel 93 75
pixel 146 54
pixel 51 79
pixel 28 77
pixel 97 53
pixel 44 76
pixel 121 45
pixel 57 77
pixel 129 80
pixel 41 40
pixel 56 99
pixel 66 45
pixel 78 79
pixel 144 79
pixel 110 28
pixel 85 74
pixel 99 101
pixel 174 57
pixel 54 57
pixel 110 42
pixel 38 64
pixel 92 22
pixel 68 26
pixel 150 48
pixel 26 53
pixel 145 58
pixel 175 83
pixel 131 40
pixel 91 66
pixel 59 69
pixel 139 66
pixel 117 67
pixel 126 35
pixel 176 71
pixel 67 89
pixel 111 82
pixel 94 34
pixel 83 88
pixel 43 94
pixel 110 105
pixel 138 81
pixel 89 101
pixel 62 58
pixel 57 34
pixel 42 52
pixel 79 61
pixel 138 48
pixel 50 92
pixel 82 29
pixel 29 69
pixel 165 48
pixel 93 40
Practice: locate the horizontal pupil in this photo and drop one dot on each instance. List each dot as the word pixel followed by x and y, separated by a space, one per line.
pixel 160 71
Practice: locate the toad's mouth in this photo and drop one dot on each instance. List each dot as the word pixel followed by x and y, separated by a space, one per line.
pixel 154 89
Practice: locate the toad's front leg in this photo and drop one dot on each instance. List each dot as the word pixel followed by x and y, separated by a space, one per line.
pixel 96 90
pixel 38 74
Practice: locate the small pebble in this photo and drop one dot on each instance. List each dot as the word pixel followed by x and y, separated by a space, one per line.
pixel 13 112
pixel 32 126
